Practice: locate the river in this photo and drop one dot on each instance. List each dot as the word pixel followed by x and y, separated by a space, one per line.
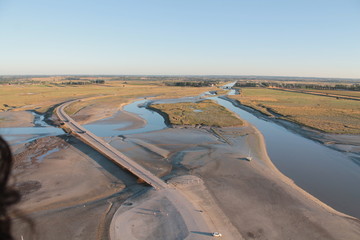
pixel 18 135
pixel 329 175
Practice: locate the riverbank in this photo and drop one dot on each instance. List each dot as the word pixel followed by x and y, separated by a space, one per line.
pixel 260 201
pixel 66 185
pixel 16 119
pixel 339 142
pixel 322 113
pixel 252 199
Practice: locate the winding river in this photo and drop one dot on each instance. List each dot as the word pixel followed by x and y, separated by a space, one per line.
pixel 330 175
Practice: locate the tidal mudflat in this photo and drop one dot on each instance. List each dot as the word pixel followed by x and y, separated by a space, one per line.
pixel 252 199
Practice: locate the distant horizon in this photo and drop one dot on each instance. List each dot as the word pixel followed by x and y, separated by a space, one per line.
pixel 170 74
pixel 175 75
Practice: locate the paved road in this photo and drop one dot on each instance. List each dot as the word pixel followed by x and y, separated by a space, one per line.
pixel 107 150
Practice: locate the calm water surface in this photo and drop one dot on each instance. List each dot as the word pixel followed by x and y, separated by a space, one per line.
pixel 331 176
pixel 154 122
pixel 17 135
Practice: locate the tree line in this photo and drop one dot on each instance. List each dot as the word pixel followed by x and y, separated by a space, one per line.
pixel 97 81
pixel 350 87
pixel 192 83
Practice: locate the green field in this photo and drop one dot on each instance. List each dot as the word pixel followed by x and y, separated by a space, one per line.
pixel 323 113
pixel 206 113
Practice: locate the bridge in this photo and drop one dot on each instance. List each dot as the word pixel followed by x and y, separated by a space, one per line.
pixel 106 149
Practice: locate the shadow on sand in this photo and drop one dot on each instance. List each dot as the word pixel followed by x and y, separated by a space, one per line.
pixel 106 164
pixel 202 233
pixel 245 159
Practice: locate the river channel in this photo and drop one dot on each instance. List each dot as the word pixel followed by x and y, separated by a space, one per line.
pixel 329 175
pixel 17 135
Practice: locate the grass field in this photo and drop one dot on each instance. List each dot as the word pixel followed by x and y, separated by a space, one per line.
pixel 41 97
pixel 205 113
pixel 337 92
pixel 323 113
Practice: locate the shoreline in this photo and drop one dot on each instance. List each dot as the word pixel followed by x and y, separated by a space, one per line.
pixel 289 181
pixel 258 175
pixel 200 152
pixel 333 141
pixel 134 120
pixel 265 156
pixel 263 150
pixel 11 119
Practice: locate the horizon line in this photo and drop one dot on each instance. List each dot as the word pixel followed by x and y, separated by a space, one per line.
pixel 173 75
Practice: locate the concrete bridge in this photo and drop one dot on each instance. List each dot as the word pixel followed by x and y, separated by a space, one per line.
pixel 106 149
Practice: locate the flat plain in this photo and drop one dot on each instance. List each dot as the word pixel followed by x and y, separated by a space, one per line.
pixel 67 184
pixel 327 114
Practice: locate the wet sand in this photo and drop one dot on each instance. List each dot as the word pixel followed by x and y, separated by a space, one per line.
pixel 259 201
pixel 264 204
pixel 16 119
pixel 91 115
pixel 75 193
pixel 68 189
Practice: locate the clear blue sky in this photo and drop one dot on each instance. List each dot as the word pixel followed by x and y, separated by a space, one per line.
pixel 319 38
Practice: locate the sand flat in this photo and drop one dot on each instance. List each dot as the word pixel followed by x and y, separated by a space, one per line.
pixel 258 201
pixel 16 119
pixel 242 199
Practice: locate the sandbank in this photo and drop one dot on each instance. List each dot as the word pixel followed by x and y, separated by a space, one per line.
pixel 16 119
pixel 253 197
pixel 93 114
pixel 339 142
pixel 72 192
pixel 68 189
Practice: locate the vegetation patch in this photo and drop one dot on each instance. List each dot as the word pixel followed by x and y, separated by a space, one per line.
pixel 41 97
pixel 339 92
pixel 206 113
pixel 327 114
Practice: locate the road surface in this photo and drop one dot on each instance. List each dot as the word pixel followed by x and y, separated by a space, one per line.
pixel 107 150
